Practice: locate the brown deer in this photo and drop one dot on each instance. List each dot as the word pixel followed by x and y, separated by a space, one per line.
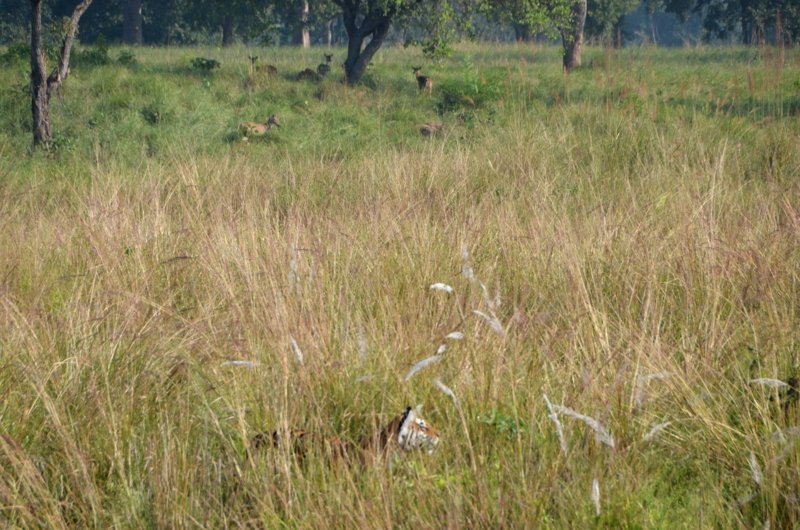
pixel 424 82
pixel 325 68
pixel 309 75
pixel 430 129
pixel 250 128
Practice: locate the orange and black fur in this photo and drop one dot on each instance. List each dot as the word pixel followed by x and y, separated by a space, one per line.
pixel 407 432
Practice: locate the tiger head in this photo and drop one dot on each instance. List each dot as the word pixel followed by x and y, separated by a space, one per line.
pixel 414 432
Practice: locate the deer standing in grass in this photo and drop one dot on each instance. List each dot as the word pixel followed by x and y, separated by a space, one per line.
pixel 424 82
pixel 325 68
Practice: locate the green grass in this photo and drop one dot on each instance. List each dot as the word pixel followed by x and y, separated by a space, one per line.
pixel 636 217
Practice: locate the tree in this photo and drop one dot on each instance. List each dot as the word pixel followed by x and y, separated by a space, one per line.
pixel 43 88
pixel 755 21
pixel 367 24
pixel 564 17
pixel 572 34
pixel 604 18
pixel 132 22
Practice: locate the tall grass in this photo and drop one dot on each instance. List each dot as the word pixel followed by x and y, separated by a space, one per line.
pixel 635 219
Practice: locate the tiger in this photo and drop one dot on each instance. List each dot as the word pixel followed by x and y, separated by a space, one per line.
pixel 406 432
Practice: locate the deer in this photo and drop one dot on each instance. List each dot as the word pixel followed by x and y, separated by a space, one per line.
pixel 325 68
pixel 250 128
pixel 429 130
pixel 424 82
pixel 309 75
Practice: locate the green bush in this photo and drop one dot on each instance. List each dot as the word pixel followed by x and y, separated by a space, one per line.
pixel 127 58
pixel 471 92
pixel 20 53
pixel 204 64
pixel 96 56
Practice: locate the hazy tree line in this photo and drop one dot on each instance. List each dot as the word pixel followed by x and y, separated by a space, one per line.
pixel 309 22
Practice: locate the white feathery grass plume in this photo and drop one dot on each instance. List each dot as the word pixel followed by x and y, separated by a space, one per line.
pixel 559 428
pixel 361 339
pixel 454 335
pixel 755 468
pixel 423 364
pixel 486 298
pixel 244 364
pixel 466 268
pixel 443 287
pixel 497 300
pixel 364 379
pixel 441 349
pixel 771 383
pixel 596 496
pixel 601 433
pixel 493 322
pixel 446 390
pixel 786 434
pixel 641 385
pixel 296 349
pixel 783 438
pixel 652 433
pixel 766 525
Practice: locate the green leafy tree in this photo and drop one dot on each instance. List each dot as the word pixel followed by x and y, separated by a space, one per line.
pixel 566 18
pixel 604 18
pixel 753 21
pixel 367 24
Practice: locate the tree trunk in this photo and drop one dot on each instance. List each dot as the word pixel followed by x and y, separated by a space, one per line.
pixel 40 99
pixel 522 33
pixel 132 24
pixel 303 37
pixel 43 88
pixel 329 33
pixel 572 36
pixel 227 31
pixel 375 25
pixel 748 27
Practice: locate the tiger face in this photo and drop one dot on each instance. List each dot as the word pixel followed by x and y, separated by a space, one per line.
pixel 416 433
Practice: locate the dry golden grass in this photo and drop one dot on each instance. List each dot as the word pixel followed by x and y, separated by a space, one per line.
pixel 611 246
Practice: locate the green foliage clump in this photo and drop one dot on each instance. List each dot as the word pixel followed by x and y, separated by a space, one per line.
pixel 205 64
pixel 95 56
pixel 502 423
pixel 472 91
pixel 127 58
pixel 19 53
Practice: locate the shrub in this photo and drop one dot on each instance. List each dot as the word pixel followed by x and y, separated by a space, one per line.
pixel 127 58
pixel 471 92
pixel 20 53
pixel 96 56
pixel 204 64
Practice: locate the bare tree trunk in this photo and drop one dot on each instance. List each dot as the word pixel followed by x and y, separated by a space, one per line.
pixel 43 88
pixel 304 35
pixel 572 36
pixel 329 33
pixel 374 25
pixel 358 59
pixel 132 24
pixel 40 99
pixel 227 31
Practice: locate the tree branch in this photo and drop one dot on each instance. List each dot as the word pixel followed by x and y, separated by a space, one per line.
pixel 61 71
